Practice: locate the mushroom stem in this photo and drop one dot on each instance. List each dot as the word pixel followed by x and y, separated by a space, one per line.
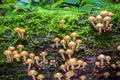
pixel 69 55
pixel 24 58
pixel 37 62
pixel 68 78
pixel 77 46
pixel 9 57
pixel 64 70
pixel 102 62
pixel 64 46
pixel 19 34
pixel 100 31
pixel 22 36
pixel 93 24
pixel 44 59
pixel 17 59
pixel 108 61
pixel 59 78
pixel 78 66
pixel 29 66
pixel 67 68
pixel 72 66
pixel 107 23
pixel 8 60
pixel 33 77
pixel 63 56
pixel 56 44
pixel 74 38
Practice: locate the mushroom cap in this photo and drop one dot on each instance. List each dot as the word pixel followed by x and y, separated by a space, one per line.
pixel 24 53
pixel 58 75
pixel 67 38
pixel 107 18
pixel 69 73
pixel 63 41
pixel 36 58
pixel 113 65
pixel 71 44
pixel 11 48
pixel 32 73
pixel 101 56
pixel 61 51
pixel 29 61
pixel 15 52
pixel 99 25
pixel 84 64
pixel 7 52
pixel 43 54
pixel 97 63
pixel 72 61
pixel 40 76
pixel 78 41
pixel 104 13
pixel 17 29
pixel 118 47
pixel 106 73
pixel 118 73
pixel 110 14
pixel 56 40
pixel 69 51
pixel 16 56
pixel 80 62
pixel 22 30
pixel 107 58
pixel 62 21
pixel 31 55
pixel 117 62
pixel 82 77
pixel 74 34
pixel 99 17
pixel 20 46
pixel 62 66
pixel 91 18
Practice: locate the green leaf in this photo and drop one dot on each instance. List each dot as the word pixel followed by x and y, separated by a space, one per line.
pixel 26 1
pixel 86 9
pixel 57 3
pixel 72 1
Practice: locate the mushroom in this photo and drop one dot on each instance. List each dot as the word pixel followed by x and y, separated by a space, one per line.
pixel 67 38
pixel 107 19
pixel 72 45
pixel 58 75
pixel 117 62
pixel 78 43
pixel 108 58
pixel 20 47
pixel 62 22
pixel 18 31
pixel 92 19
pixel 33 73
pixel 99 27
pixel 110 14
pixel 63 67
pixel 24 54
pixel 69 52
pixel 63 43
pixel 67 65
pixel 62 51
pixel 69 74
pixel 43 54
pixel 118 73
pixel 29 62
pixel 114 66
pixel 106 74
pixel 36 58
pixel 82 77
pixel 74 35
pixel 15 52
pixel 22 31
pixel 32 55
pixel 56 40
pixel 80 62
pixel 99 18
pixel 104 13
pixel 118 47
pixel 17 57
pixel 72 62
pixel 101 57
pixel 83 65
pixel 11 48
pixel 40 77
pixel 7 53
pixel 97 64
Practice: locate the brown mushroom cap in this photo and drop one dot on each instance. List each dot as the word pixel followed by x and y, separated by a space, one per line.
pixel 99 25
pixel 20 46
pixel 78 41
pixel 36 58
pixel 22 30
pixel 106 74
pixel 58 75
pixel 63 41
pixel 24 53
pixel 98 17
pixel 110 14
pixel 97 63
pixel 117 62
pixel 118 73
pixel 16 56
pixel 69 51
pixel 82 77
pixel 62 66
pixel 43 54
pixel 17 29
pixel 40 76
pixel 70 44
pixel 114 66
pixel 101 56
pixel 91 18
pixel 31 55
pixel 61 51
pixel 104 13
pixel 67 38
pixel 107 18
pixel 62 21
pixel 74 34
pixel 107 58
pixel 11 48
pixel 72 61
pixel 56 40
pixel 29 61
pixel 80 62
pixel 7 52
pixel 15 52
pixel 69 73
pixel 32 73
pixel 118 48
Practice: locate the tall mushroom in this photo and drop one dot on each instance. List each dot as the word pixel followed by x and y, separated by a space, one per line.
pixel 101 57
pixel 56 40
pixel 29 62
pixel 58 76
pixel 108 58
pixel 107 19
pixel 33 73
pixel 99 27
pixel 24 54
pixel 69 52
pixel 40 77
pixel 74 35
pixel 32 55
pixel 63 42
pixel 20 47
pixel 18 31
pixel 7 53
pixel 36 58
pixel 72 45
pixel 92 19
pixel 11 48
pixel 62 51
pixel 43 54
pixel 22 31
pixel 67 38
pixel 17 57
pixel 73 63
pixel 69 74
pixel 77 44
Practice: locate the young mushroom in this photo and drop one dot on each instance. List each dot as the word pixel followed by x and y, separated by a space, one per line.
pixel 43 54
pixel 29 62
pixel 32 55
pixel 72 45
pixel 62 22
pixel 101 57
pixel 56 40
pixel 104 14
pixel 40 77
pixel 20 47
pixel 106 74
pixel 114 66
pixel 82 77
pixel 36 58
pixel 58 76
pixel 7 53
pixel 107 19
pixel 63 42
pixel 69 74
pixel 99 18
pixel 80 62
pixel 62 51
pixel 77 44
pixel 72 62
pixel 69 52
pixel 17 57
pixel 63 67
pixel 92 19
pixel 33 73
pixel 22 31
pixel 24 54
pixel 11 48
pixel 97 64
pixel 99 27
pixel 18 31
pixel 67 38
pixel 74 35
pixel 108 58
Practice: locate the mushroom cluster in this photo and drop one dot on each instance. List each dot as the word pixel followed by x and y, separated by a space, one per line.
pixel 102 21
pixel 20 33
